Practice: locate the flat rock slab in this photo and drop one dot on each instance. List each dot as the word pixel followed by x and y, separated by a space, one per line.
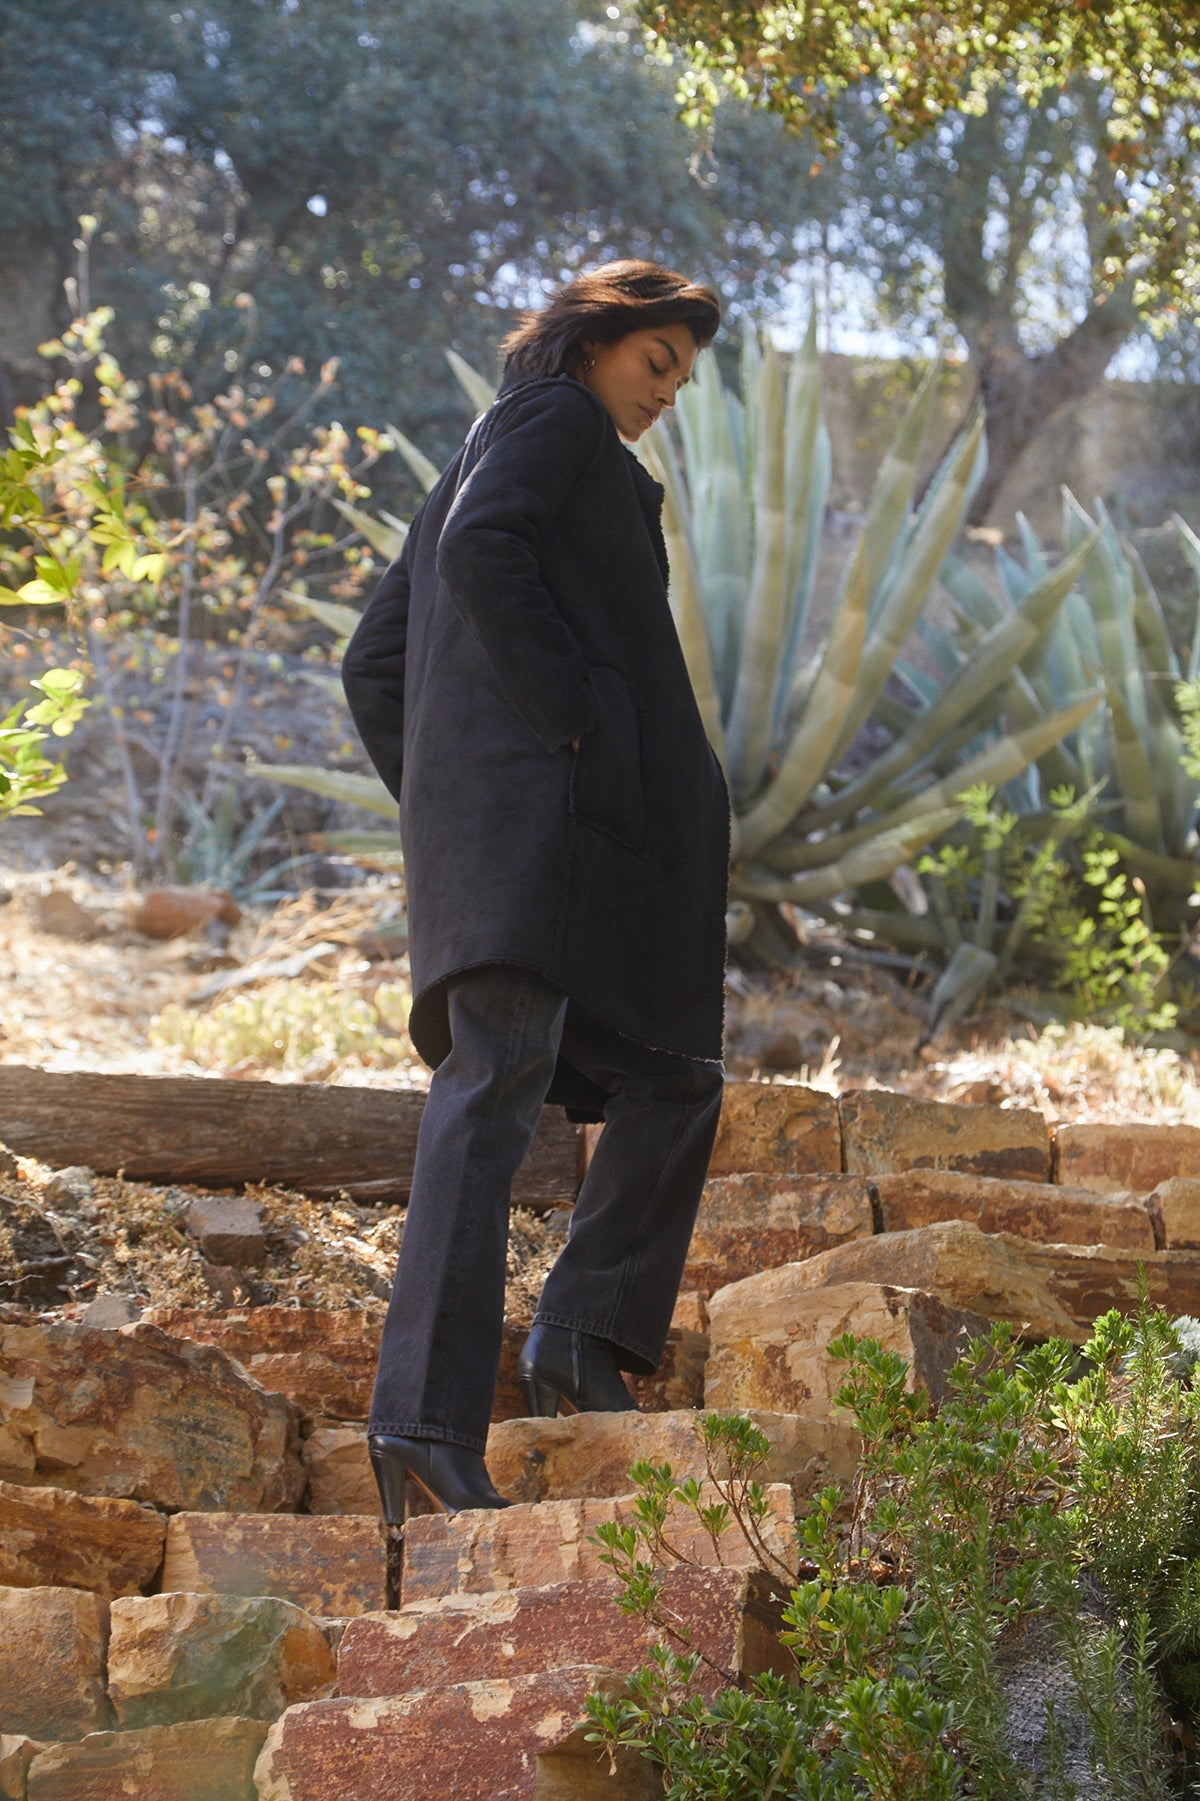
pixel 203 1760
pixel 592 1453
pixel 1136 1157
pixel 1040 1210
pixel 733 1616
pixel 475 1741
pixel 136 1414
pixel 771 1337
pixel 778 1127
pixel 753 1222
pixel 330 1566
pixel 195 1657
pixel 527 1547
pixel 50 1537
pixel 322 1360
pixel 52 1662
pixel 882 1132
pixel 1042 1291
pixel 984 1273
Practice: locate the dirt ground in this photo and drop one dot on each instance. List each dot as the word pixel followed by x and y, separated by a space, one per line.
pixel 316 989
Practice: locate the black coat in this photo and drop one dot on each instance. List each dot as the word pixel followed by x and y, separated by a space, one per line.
pixel 528 608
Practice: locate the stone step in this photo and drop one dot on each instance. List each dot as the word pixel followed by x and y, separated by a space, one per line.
pixel 777 1127
pixel 1133 1157
pixel 771 1337
pixel 732 1617
pixel 589 1455
pixel 496 1740
pixel 883 1132
pixel 175 1657
pixel 1041 1290
pixel 748 1223
pixel 330 1565
pixel 323 1360
pixel 528 1546
pixel 200 1760
pixel 137 1415
pixel 1038 1210
pixel 50 1537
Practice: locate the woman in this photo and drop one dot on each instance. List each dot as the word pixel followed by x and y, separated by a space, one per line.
pixel 519 686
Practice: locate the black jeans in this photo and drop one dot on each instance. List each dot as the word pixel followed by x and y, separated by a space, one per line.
pixel 618 1273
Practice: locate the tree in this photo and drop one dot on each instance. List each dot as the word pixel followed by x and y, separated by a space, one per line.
pixel 383 177
pixel 1034 172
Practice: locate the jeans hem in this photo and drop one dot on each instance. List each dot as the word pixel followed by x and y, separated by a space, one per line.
pixel 647 1361
pixel 438 1434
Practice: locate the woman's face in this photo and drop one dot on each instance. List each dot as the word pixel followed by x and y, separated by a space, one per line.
pixel 640 374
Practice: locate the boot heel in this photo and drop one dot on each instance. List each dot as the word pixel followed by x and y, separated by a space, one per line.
pixel 541 1398
pixel 392 1480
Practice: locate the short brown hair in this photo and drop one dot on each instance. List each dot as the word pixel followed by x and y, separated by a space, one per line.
pixel 605 305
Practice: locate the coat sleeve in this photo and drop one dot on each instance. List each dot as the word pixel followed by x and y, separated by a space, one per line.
pixel 543 441
pixel 373 670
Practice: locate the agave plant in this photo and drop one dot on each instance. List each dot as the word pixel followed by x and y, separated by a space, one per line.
pixel 746 483
pixel 1112 630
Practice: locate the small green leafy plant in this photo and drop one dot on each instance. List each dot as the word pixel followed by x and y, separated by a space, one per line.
pixel 1046 1507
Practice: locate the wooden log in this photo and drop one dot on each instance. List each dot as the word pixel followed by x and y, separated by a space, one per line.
pixel 216 1133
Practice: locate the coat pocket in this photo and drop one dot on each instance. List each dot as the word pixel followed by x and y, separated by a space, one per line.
pixel 606 786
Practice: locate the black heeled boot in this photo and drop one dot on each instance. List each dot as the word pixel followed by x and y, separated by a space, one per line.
pixel 560 1364
pixel 454 1477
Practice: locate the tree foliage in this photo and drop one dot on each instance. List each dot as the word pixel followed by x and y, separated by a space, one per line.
pixel 381 177
pixel 923 62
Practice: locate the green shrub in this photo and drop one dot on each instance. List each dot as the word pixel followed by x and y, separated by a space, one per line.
pixel 1051 1492
pixel 293 1026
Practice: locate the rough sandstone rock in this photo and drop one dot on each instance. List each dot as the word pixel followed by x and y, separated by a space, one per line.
pixel 16 1754
pixel 526 1547
pixel 228 1229
pixel 324 1565
pixel 323 1361
pixel 1174 1209
pixel 1041 1290
pixel 200 1760
pixel 591 1453
pixel 733 1616
pixel 340 1479
pixel 753 1222
pixel 475 1741
pixel 771 1336
pixel 173 912
pixel 52 1662
pixel 1136 1157
pixel 679 1379
pixel 50 1537
pixel 194 1657
pixel 882 1132
pixel 691 1313
pixel 777 1127
pixel 136 1414
pixel 1041 1210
